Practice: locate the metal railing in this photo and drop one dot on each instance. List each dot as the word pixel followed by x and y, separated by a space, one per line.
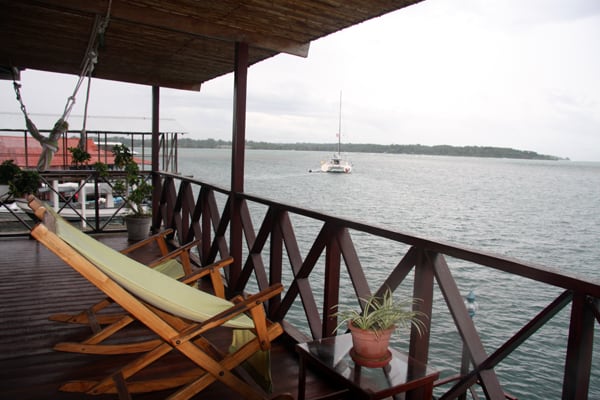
pixel 101 142
pixel 330 272
pixel 83 197
pixel 81 194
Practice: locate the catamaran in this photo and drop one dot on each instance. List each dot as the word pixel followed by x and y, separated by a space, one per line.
pixel 336 163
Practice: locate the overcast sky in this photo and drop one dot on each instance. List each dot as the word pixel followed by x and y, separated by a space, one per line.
pixel 512 73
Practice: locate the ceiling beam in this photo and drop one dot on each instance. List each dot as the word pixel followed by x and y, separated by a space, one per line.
pixel 179 23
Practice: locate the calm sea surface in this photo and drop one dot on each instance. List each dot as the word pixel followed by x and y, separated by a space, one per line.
pixel 541 212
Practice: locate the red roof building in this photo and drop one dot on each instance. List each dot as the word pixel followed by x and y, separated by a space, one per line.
pixel 25 152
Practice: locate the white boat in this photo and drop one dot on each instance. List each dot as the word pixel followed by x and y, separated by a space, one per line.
pixel 337 164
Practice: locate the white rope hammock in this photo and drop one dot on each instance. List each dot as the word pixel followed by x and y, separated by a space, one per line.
pixel 50 143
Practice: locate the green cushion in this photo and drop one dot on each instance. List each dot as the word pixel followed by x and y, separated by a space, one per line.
pixel 148 284
pixel 171 268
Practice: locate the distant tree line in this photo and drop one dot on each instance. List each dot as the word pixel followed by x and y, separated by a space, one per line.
pixel 439 150
pixel 417 149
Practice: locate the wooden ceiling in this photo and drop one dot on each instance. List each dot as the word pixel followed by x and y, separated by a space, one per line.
pixel 170 43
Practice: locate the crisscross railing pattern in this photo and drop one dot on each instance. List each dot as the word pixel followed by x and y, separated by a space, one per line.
pixel 272 255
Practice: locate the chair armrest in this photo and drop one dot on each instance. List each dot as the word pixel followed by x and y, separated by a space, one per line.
pixel 158 237
pixel 252 304
pixel 214 270
pixel 175 253
pixel 182 252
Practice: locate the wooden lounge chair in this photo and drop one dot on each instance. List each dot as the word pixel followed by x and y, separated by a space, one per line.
pixel 104 325
pixel 175 263
pixel 179 314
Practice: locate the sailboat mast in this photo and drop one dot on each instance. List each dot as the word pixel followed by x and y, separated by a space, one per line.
pixel 340 126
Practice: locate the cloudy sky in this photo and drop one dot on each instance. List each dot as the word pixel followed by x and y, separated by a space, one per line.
pixel 513 73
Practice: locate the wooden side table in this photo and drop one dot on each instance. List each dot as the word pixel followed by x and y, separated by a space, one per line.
pixel 330 357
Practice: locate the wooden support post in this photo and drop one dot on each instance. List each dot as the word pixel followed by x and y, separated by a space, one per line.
pixel 332 283
pixel 276 259
pixel 579 356
pixel 237 158
pixel 156 192
pixel 206 224
pixel 419 343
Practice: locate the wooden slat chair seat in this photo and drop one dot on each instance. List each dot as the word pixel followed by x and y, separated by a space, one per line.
pixel 179 314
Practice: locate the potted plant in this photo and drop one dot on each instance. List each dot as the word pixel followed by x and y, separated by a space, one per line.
pixel 135 190
pixel 8 170
pixel 19 182
pixel 79 157
pixel 372 328
pixel 25 182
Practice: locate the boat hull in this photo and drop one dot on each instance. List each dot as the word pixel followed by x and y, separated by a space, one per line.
pixel 337 165
pixel 336 169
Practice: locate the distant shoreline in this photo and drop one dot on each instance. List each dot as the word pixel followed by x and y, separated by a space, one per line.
pixel 416 149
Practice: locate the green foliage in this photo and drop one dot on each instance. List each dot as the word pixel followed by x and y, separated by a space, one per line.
pixel 123 156
pixel 381 313
pixel 134 188
pixel 8 170
pixel 101 168
pixel 79 156
pixel 439 150
pixel 140 192
pixel 20 181
pixel 25 182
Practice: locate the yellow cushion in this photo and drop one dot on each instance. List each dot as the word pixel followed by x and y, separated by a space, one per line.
pixel 259 364
pixel 171 268
pixel 148 284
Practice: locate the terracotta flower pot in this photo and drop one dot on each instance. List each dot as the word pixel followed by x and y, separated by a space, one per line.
pixel 370 348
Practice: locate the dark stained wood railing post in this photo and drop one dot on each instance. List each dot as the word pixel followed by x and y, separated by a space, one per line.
pixel 155 156
pixel 206 215
pixel 235 239
pixel 186 198
pixel 423 292
pixel 237 158
pixel 579 356
pixel 331 293
pixel 275 259
pixel 167 207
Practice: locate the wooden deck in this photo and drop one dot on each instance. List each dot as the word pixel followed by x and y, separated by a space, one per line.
pixel 34 284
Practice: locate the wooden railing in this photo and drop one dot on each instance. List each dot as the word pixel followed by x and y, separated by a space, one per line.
pixel 200 211
pixel 318 280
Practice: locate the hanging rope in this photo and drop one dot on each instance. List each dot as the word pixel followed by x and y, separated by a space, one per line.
pixel 50 143
pixel 83 137
pixel 95 42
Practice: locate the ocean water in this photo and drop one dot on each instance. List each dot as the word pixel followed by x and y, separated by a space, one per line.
pixel 541 212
